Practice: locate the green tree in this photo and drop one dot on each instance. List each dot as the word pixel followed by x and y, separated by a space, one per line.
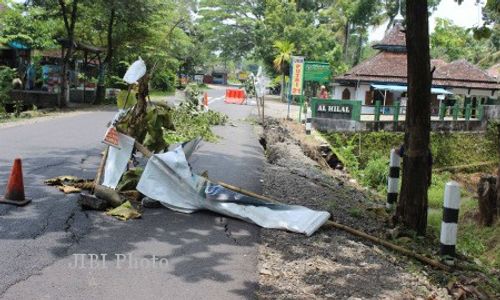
pixel 229 26
pixel 281 60
pixel 30 25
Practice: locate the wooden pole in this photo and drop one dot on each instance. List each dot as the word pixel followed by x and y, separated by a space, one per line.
pixel 102 164
pixel 351 230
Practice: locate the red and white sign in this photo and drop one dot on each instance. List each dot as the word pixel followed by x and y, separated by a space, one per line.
pixel 111 138
pixel 297 83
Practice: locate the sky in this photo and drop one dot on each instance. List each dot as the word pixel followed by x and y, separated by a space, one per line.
pixel 466 15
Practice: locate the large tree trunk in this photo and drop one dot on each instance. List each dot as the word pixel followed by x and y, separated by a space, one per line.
pixel 282 92
pixel 498 194
pixel 487 194
pixel 412 207
pixel 64 82
pixel 346 39
pixel 69 24
pixel 498 174
pixel 359 47
pixel 104 67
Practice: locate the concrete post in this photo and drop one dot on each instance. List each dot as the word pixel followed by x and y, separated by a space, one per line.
pixel 455 111
pixel 308 122
pixel 468 111
pixel 377 111
pixel 393 179
pixel 451 207
pixel 480 112
pixel 442 111
pixel 397 107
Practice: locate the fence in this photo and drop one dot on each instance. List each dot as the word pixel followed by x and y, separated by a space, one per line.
pixel 396 112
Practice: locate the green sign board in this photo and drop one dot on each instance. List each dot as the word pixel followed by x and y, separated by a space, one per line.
pixel 317 71
pixel 336 109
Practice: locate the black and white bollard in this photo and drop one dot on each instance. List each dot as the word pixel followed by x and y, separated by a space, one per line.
pixel 308 123
pixel 393 179
pixel 448 237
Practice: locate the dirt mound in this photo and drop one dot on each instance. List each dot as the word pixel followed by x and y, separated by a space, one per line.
pixel 330 264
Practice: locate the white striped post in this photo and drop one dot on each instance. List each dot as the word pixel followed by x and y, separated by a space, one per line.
pixel 393 179
pixel 451 207
pixel 308 122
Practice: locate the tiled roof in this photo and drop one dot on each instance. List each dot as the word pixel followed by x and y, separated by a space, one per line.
pixel 390 65
pixel 462 70
pixel 394 39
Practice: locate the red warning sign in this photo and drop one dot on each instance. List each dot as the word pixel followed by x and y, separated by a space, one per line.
pixel 112 137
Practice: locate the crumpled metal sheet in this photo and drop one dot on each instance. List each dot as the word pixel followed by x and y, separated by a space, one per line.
pixel 293 218
pixel 117 160
pixel 181 191
pixel 177 188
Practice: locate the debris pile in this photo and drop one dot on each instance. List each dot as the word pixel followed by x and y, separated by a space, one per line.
pixel 140 161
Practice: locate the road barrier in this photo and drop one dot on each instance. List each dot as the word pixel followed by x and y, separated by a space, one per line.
pixel 235 96
pixel 449 226
pixel 14 194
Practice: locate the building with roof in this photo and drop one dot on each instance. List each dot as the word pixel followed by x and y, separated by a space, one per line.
pixel 384 77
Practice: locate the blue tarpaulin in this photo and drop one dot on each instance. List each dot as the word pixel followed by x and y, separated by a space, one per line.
pixel 18 45
pixel 404 88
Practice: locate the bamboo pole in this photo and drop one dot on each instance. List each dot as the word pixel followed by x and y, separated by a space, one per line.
pixel 353 231
pixel 102 164
pixel 451 168
pixel 329 223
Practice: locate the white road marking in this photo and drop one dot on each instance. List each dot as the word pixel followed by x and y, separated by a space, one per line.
pixel 212 100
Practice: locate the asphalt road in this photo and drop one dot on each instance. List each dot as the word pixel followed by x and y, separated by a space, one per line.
pixel 164 255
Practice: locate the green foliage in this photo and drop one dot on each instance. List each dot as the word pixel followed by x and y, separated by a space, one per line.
pixel 159 119
pixel 344 149
pixel 6 76
pixel 250 86
pixel 130 179
pixel 448 149
pixel 355 212
pixel 284 50
pixel 126 100
pixel 193 93
pixel 191 123
pixel 436 190
pixel 375 173
pixel 481 242
pixel 451 42
pixel 163 80
pixel 29 25
pixel 116 82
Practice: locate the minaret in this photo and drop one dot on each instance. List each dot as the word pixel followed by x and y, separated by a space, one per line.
pixel 399 17
pixel 394 39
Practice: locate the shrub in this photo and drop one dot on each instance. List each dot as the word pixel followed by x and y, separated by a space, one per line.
pixel 6 76
pixel 163 81
pixel 193 94
pixel 376 173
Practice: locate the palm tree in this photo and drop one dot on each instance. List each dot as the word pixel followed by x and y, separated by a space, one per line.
pixel 284 49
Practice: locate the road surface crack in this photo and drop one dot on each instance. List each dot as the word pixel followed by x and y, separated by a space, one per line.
pixel 75 239
pixel 44 227
pixel 48 166
pixel 228 233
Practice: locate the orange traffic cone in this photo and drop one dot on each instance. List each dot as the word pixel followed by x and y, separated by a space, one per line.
pixel 205 99
pixel 14 193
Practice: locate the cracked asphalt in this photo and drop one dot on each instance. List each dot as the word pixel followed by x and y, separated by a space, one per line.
pixel 163 255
